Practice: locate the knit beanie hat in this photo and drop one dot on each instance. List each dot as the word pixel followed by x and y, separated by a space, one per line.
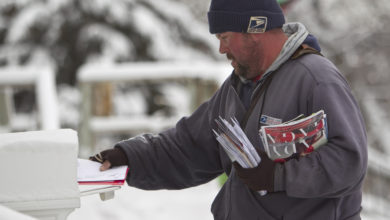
pixel 245 16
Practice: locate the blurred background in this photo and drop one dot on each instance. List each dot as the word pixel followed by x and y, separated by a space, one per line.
pixel 114 69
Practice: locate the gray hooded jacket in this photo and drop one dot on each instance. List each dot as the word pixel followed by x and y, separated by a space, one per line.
pixel 324 185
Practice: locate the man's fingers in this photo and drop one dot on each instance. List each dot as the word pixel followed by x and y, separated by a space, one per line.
pixel 105 166
pixel 97 158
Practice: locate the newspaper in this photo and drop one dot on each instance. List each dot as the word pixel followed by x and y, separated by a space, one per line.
pixel 300 136
pixel 236 144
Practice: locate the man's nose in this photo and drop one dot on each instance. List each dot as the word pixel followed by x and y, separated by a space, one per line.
pixel 222 48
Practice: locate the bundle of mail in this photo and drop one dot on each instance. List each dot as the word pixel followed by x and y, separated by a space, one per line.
pixel 236 144
pixel 299 137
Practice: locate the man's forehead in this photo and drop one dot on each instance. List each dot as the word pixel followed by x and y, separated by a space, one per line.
pixel 233 34
pixel 223 34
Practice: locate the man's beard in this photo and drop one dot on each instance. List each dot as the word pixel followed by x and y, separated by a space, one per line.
pixel 240 69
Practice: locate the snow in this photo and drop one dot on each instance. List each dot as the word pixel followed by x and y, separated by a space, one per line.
pixel 24 21
pixel 190 204
pixel 131 203
pixel 47 100
pixel 18 76
pixel 10 214
pixel 217 71
pixel 164 35
pixel 105 125
pixel 375 116
pixel 34 159
pixel 115 44
pixel 181 95
pixel 22 122
pixel 147 23
pixel 375 208
pixel 69 100
pixel 114 12
pixel 130 103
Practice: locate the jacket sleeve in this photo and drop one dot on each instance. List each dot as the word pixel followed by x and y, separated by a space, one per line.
pixel 337 168
pixel 184 156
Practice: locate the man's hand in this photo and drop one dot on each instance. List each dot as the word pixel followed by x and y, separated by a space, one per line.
pixel 110 158
pixel 260 177
pixel 105 165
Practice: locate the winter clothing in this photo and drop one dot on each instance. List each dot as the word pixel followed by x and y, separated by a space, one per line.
pixel 116 157
pixel 258 178
pixel 245 16
pixel 324 185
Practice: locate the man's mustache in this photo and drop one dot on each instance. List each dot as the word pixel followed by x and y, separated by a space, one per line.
pixel 229 57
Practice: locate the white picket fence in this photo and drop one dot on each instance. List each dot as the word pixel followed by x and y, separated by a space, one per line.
pixel 43 81
pixel 201 78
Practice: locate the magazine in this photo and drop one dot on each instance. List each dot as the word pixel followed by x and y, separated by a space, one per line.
pixel 297 137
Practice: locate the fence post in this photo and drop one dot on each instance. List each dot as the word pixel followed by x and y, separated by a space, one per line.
pixel 85 134
pixel 42 78
pixel 5 111
pixel 47 102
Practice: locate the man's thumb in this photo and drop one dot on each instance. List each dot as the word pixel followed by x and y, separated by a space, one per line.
pixel 105 166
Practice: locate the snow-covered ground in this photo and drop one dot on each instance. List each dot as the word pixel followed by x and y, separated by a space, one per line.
pixel 134 204
pixel 131 203
pixel 189 204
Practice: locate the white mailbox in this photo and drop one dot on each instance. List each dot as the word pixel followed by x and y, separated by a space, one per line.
pixel 38 173
pixel 7 213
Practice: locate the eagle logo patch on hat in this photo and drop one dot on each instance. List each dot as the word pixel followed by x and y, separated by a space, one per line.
pixel 257 24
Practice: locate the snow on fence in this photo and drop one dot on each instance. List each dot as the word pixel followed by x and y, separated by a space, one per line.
pixel 202 78
pixel 45 89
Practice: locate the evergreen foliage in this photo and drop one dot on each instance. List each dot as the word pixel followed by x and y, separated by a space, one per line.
pixel 66 34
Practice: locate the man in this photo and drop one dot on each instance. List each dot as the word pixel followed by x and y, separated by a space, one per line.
pixel 278 75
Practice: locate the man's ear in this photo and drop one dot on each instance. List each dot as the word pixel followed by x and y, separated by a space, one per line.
pixel 273 35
